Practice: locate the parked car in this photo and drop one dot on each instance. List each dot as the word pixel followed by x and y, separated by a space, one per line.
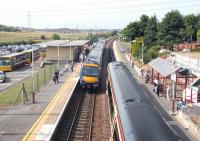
pixel 2 76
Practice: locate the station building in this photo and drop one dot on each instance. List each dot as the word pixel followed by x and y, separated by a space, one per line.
pixel 64 50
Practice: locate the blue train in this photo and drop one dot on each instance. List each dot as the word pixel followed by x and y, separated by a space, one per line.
pixel 133 116
pixel 90 73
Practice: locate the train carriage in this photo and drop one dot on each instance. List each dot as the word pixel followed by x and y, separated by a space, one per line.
pixel 133 116
pixel 16 60
pixel 12 61
pixel 90 73
pixel 28 55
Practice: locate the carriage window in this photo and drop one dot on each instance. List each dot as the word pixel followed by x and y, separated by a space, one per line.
pixel 90 71
pixel 4 62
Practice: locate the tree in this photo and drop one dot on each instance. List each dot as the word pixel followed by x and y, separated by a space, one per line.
pixel 55 37
pixel 170 29
pixel 191 26
pixel 198 36
pixel 136 29
pixel 42 37
pixel 136 47
pixel 132 30
pixel 150 32
pixel 143 24
pixel 113 33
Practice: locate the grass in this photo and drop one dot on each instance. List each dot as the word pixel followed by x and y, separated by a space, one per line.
pixel 40 79
pixel 19 36
pixel 196 50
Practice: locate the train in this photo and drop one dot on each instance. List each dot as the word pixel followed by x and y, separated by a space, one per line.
pixel 16 60
pixel 133 116
pixel 90 73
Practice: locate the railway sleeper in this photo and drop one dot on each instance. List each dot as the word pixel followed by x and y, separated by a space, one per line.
pixel 79 138
pixel 81 126
pixel 79 134
pixel 85 109
pixel 84 106
pixel 84 114
pixel 86 121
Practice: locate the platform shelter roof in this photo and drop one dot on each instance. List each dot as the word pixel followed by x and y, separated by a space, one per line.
pixel 164 66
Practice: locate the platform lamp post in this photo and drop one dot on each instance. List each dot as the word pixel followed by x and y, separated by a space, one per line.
pixel 70 56
pixel 142 53
pixel 33 85
pixel 58 56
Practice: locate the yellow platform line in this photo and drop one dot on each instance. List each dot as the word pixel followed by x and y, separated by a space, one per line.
pixel 41 116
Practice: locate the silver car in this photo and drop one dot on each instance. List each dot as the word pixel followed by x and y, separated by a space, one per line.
pixel 2 76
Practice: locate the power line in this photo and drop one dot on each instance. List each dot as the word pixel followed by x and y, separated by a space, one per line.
pixel 103 10
pixel 113 11
pixel 115 5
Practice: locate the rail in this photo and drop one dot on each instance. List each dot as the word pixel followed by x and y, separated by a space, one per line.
pixel 82 127
pixel 76 111
pixel 76 121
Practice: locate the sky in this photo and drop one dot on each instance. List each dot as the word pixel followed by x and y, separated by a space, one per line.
pixel 88 14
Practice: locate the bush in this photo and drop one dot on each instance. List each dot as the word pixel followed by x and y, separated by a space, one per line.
pixel 42 37
pixel 55 37
pixel 151 53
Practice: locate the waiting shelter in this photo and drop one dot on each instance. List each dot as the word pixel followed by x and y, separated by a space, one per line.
pixel 173 78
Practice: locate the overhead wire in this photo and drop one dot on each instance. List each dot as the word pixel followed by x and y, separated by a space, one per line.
pixel 121 5
pixel 104 11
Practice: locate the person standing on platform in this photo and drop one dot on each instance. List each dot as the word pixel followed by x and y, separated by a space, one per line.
pixel 56 75
pixel 158 88
pixel 54 79
pixel 66 67
pixel 72 66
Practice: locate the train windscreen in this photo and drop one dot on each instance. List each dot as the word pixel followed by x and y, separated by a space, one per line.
pixel 90 71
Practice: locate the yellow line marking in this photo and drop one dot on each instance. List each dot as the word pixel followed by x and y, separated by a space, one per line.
pixel 41 116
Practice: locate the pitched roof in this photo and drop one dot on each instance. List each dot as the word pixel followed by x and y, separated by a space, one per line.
pixel 164 66
pixel 75 43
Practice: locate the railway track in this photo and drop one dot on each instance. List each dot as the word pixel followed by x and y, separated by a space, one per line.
pixel 81 129
pixel 84 119
pixel 77 118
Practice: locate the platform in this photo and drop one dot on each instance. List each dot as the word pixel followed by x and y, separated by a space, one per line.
pixel 46 123
pixel 36 121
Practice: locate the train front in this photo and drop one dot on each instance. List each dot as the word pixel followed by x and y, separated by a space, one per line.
pixel 90 76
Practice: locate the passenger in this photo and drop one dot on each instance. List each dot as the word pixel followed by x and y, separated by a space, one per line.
pixel 81 57
pixel 142 72
pixel 56 75
pixel 72 66
pixel 180 105
pixel 155 82
pixel 158 88
pixel 66 67
pixel 146 78
pixel 54 79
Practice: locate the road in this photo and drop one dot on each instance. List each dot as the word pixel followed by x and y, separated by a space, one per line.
pixel 18 75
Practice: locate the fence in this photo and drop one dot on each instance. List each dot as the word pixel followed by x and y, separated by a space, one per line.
pixel 40 79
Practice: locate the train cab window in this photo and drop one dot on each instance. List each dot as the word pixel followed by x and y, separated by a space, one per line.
pixel 90 71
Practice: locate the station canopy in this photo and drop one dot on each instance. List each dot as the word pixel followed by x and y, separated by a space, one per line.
pixel 164 66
